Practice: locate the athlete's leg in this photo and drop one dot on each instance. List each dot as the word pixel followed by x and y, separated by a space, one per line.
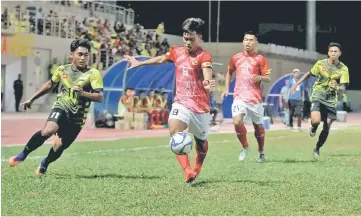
pixel 199 127
pixel 315 117
pixel 178 122
pixel 328 116
pixel 67 134
pixel 239 111
pixel 38 139
pixel 257 112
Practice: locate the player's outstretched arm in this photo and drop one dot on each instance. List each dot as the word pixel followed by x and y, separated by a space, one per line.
pixel 49 85
pixel 152 61
pixel 300 81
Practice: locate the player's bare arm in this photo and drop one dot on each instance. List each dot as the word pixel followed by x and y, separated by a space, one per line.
pixel 300 81
pixel 48 86
pixel 152 61
pixel 264 78
pixel 227 82
pixel 95 97
pixel 208 82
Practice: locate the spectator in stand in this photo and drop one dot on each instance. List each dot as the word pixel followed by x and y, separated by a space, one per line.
pixel 159 31
pixel 164 113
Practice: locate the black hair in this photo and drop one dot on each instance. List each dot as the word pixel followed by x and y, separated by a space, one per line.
pixel 157 91
pixel 164 93
pixel 129 88
pixel 80 43
pixel 151 90
pixel 251 33
pixel 142 91
pixel 193 25
pixel 334 44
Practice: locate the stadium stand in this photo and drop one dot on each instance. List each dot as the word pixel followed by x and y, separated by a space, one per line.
pixel 111 37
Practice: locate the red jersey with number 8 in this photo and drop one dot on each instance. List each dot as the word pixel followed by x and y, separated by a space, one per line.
pixel 190 91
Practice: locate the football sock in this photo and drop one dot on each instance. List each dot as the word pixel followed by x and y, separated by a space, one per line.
pixel 322 139
pixel 260 135
pixel 183 161
pixel 202 149
pixel 35 142
pixel 242 134
pixel 52 156
pixel 314 126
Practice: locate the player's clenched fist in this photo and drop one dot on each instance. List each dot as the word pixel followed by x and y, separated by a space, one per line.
pixel 224 94
pixel 333 84
pixel 208 84
pixel 27 104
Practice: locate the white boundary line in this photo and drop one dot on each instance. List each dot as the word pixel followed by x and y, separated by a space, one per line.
pixel 101 151
pixel 335 128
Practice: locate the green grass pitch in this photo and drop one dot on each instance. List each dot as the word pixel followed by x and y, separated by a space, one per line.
pixel 142 177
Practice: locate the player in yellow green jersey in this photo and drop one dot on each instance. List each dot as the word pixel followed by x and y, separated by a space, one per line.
pixel 80 85
pixel 331 79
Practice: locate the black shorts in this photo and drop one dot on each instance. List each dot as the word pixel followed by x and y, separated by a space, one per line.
pixel 295 107
pixel 326 111
pixel 67 128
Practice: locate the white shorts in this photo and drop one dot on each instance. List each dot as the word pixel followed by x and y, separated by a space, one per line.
pixel 198 124
pixel 253 111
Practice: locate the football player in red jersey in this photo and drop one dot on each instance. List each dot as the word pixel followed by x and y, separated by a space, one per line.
pixel 193 71
pixel 251 69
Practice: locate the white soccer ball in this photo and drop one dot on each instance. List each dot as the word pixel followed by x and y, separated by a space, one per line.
pixel 181 143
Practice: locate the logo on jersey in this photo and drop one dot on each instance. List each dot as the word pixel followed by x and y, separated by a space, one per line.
pixel 324 68
pixel 195 62
pixel 254 63
pixel 207 65
pixel 64 75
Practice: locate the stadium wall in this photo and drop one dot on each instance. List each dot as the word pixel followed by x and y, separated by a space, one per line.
pixel 29 55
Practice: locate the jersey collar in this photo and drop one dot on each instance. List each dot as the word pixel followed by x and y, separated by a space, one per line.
pixel 252 53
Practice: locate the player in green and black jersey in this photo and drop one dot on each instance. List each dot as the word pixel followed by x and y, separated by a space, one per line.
pixel 80 85
pixel 332 76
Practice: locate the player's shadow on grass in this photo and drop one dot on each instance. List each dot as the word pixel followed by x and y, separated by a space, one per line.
pixel 345 155
pixel 205 183
pixel 103 176
pixel 293 161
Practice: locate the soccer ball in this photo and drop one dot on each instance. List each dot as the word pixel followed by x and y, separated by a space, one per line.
pixel 181 143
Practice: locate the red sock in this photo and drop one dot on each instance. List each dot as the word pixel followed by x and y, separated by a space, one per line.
pixel 242 134
pixel 166 116
pixel 183 161
pixel 260 134
pixel 162 117
pixel 157 117
pixel 200 156
pixel 151 118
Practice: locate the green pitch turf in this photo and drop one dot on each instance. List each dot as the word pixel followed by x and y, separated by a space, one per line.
pixel 142 177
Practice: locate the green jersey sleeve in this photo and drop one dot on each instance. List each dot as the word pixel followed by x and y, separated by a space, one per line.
pixel 315 69
pixel 56 77
pixel 96 80
pixel 345 78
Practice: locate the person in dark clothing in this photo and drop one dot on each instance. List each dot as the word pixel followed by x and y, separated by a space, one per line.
pixel 18 90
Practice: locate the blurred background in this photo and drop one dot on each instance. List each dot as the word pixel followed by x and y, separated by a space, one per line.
pixel 36 38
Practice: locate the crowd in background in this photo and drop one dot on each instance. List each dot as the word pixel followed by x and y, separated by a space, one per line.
pixel 155 104
pixel 110 40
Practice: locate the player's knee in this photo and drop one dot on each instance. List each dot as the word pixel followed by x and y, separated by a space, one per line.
pixel 47 132
pixel 201 145
pixel 315 123
pixel 237 122
pixel 174 130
